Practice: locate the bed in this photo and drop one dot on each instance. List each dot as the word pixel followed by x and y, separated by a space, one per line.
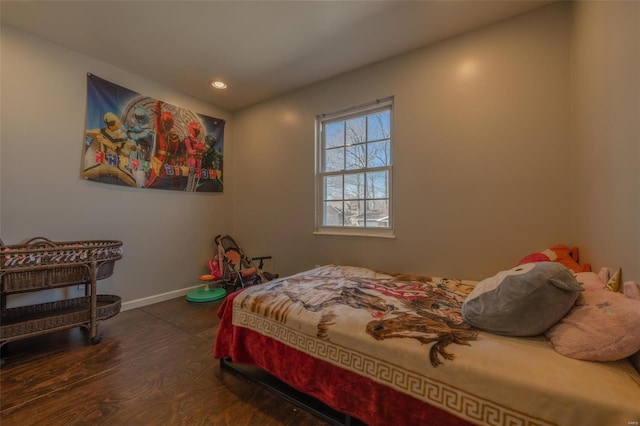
pixel 393 349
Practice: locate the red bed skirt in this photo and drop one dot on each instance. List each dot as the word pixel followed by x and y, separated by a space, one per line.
pixel 340 389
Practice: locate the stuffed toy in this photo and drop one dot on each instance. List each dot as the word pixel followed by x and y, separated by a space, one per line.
pixel 561 254
pixel 631 290
pixel 616 284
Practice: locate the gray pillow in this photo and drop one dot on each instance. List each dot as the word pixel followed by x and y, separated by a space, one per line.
pixel 523 301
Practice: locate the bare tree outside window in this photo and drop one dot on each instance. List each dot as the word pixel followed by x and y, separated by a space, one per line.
pixel 355 168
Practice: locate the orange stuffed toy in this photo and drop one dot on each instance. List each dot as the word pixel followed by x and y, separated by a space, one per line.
pixel 561 254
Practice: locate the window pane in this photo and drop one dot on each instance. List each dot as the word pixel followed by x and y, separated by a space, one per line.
pixel 354 186
pixel 378 184
pixel 356 157
pixel 334 159
pixel 378 213
pixel 378 154
pixel 354 213
pixel 381 206
pixel 379 126
pixel 333 213
pixel 356 130
pixel 334 134
pixel 333 188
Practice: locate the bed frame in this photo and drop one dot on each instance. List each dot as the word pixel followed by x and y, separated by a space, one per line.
pixel 274 385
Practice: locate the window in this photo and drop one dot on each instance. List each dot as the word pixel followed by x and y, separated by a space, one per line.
pixel 355 170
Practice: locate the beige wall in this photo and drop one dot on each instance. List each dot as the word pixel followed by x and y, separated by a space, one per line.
pixel 606 134
pixel 490 163
pixel 482 155
pixel 167 235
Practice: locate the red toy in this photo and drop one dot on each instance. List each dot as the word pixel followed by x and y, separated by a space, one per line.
pixel 560 253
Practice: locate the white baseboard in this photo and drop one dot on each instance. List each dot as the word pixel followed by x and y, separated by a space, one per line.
pixel 138 303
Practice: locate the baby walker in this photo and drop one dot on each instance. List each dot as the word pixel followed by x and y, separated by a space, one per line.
pixel 209 293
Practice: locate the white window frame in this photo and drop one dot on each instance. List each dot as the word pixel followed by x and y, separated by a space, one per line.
pixel 343 115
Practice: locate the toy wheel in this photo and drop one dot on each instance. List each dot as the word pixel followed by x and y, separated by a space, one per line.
pixel 96 339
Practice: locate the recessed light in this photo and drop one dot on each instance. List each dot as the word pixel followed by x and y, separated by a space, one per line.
pixel 217 84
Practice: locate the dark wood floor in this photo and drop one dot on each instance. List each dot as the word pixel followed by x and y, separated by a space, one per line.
pixel 154 366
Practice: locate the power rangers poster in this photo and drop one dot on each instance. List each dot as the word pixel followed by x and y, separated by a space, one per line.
pixel 135 140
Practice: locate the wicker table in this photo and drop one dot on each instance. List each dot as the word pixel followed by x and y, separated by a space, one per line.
pixel 41 264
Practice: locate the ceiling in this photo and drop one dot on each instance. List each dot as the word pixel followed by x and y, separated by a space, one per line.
pixel 261 49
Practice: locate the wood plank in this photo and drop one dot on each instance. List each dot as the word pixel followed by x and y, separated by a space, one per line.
pixel 154 365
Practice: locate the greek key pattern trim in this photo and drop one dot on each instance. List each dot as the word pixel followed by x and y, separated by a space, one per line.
pixel 442 395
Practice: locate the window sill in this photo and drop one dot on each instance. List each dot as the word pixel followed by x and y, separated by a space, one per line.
pixel 387 233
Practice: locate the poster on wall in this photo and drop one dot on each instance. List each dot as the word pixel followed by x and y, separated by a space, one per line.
pixel 138 141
